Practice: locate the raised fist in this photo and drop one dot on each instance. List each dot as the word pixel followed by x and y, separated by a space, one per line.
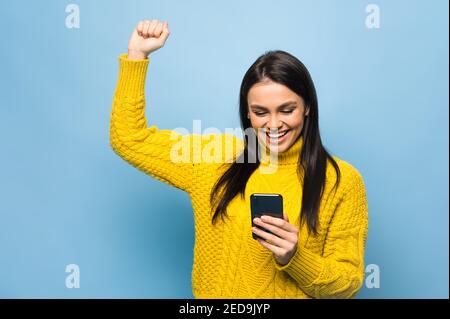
pixel 147 37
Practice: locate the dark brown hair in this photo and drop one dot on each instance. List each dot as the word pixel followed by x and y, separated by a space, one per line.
pixel 283 68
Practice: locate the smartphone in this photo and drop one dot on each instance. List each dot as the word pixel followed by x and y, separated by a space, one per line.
pixel 265 204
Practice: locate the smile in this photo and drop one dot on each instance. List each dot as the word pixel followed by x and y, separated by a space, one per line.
pixel 278 135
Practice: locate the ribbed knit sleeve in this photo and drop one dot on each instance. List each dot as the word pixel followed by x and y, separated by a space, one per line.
pixel 339 271
pixel 147 148
pixel 163 154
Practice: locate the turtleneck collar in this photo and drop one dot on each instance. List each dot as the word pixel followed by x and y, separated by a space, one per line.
pixel 288 157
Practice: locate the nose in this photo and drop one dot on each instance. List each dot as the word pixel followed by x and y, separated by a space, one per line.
pixel 274 123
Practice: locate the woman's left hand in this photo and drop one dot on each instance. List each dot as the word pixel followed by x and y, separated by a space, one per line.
pixel 283 241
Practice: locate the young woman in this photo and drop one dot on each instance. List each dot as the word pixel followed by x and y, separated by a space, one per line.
pixel 317 249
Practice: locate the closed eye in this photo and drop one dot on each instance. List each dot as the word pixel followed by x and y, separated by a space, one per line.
pixel 284 112
pixel 260 113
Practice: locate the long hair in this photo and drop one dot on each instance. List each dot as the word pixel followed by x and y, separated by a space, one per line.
pixel 282 68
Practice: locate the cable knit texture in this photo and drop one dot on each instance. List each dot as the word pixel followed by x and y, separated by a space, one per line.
pixel 228 263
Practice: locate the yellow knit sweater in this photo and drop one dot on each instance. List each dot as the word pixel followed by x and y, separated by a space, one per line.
pixel 228 263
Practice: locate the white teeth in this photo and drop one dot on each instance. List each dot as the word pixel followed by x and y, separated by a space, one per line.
pixel 277 135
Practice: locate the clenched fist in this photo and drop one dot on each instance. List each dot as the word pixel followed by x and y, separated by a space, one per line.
pixel 147 37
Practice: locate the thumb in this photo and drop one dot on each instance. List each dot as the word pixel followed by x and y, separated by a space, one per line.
pixel 285 217
pixel 165 33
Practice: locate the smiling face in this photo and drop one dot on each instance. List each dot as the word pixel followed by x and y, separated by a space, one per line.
pixel 275 107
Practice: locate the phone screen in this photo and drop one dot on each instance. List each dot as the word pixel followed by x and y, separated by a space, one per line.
pixel 265 204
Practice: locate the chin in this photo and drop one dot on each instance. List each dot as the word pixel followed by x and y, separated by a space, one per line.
pixel 274 147
pixel 280 149
pixel 283 145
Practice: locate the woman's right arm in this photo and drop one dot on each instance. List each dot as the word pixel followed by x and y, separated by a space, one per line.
pixel 157 152
pixel 146 148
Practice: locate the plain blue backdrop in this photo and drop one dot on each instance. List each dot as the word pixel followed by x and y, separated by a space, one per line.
pixel 67 198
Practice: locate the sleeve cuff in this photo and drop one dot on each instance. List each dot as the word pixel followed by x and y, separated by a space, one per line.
pixel 132 74
pixel 305 266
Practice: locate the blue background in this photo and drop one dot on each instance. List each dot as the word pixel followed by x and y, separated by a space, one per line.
pixel 67 198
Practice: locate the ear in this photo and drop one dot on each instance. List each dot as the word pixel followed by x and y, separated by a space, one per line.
pixel 248 115
pixel 307 111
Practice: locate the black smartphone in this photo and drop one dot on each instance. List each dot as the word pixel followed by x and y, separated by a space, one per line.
pixel 265 204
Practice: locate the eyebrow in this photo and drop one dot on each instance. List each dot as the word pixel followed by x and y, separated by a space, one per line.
pixel 279 107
